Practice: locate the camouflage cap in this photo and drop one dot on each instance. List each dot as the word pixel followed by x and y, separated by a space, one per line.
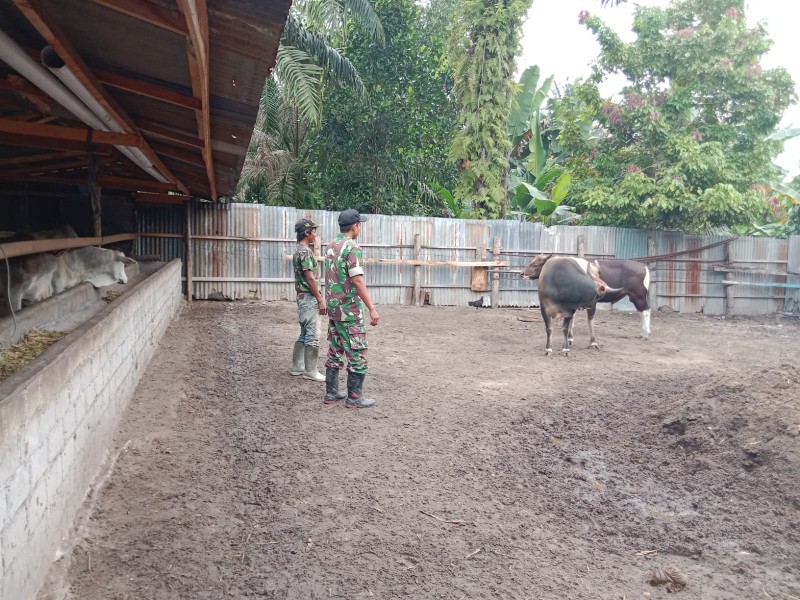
pixel 304 226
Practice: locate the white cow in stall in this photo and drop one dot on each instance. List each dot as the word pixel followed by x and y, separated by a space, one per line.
pixel 36 277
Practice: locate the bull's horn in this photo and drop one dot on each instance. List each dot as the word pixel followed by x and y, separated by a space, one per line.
pixel 604 289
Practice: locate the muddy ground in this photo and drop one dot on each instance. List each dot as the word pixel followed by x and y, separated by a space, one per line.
pixel 485 470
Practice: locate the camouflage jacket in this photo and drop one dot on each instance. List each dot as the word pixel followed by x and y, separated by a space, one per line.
pixel 303 260
pixel 342 263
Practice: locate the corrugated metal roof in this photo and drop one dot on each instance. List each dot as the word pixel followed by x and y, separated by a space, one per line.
pixel 144 43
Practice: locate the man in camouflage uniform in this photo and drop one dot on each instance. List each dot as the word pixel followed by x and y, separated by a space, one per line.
pixel 309 302
pixel 347 300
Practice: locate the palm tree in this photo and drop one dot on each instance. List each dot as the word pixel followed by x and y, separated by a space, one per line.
pixel 307 55
pixel 291 102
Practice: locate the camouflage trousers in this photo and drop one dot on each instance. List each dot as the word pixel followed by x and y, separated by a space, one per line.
pixel 347 345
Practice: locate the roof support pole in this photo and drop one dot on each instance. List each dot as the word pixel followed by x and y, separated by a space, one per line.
pixel 189 251
pixel 96 198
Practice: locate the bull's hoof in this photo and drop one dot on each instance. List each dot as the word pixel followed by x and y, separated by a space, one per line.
pixel 548 351
pixel 594 345
pixel 565 352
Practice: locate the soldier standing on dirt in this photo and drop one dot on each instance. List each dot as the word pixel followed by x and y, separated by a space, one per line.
pixel 309 302
pixel 347 298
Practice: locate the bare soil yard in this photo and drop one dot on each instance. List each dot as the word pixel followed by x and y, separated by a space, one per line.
pixel 486 470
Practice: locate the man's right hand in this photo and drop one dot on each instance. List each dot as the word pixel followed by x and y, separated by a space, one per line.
pixel 374 317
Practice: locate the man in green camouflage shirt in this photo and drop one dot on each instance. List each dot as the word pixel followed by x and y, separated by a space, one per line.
pixel 309 302
pixel 347 300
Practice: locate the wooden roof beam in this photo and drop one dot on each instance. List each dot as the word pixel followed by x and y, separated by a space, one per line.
pixel 150 90
pixel 106 181
pixel 165 133
pixel 48 168
pixel 53 35
pixel 30 159
pixel 196 14
pixel 86 138
pixel 165 18
pixel 161 198
pixel 178 154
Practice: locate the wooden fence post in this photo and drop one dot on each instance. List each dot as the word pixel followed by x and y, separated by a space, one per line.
pixel 495 275
pixel 415 294
pixel 581 246
pixel 189 251
pixel 729 297
pixel 652 292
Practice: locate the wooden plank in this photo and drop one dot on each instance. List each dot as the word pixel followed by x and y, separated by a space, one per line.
pixel 479 279
pixel 85 136
pixel 109 181
pixel 196 15
pixel 53 35
pixel 165 18
pixel 162 199
pixel 731 268
pixel 12 174
pixel 150 90
pixel 31 159
pixel 12 249
pixel 422 263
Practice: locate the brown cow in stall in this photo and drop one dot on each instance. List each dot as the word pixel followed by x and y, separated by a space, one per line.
pixel 623 278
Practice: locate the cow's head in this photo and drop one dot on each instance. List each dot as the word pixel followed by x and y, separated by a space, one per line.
pixel 110 269
pixel 119 266
pixel 533 270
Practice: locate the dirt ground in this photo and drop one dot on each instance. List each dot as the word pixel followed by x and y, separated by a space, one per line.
pixel 486 470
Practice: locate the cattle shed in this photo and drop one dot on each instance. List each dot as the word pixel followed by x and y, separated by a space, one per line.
pixel 105 106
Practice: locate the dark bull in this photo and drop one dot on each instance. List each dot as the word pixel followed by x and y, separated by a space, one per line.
pixel 621 278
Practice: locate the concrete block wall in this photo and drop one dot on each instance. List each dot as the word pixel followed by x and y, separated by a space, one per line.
pixel 57 419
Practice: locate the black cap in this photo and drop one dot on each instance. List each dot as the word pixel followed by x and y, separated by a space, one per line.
pixel 304 226
pixel 350 217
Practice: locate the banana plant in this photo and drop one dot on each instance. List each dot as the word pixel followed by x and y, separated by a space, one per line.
pixel 524 122
pixel 533 174
pixel 454 207
pixel 531 202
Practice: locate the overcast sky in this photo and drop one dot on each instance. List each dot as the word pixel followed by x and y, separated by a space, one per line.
pixel 554 40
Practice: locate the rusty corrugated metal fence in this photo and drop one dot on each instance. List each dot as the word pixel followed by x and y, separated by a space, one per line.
pixel 240 251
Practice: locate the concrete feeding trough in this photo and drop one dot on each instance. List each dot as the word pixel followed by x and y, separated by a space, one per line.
pixel 59 412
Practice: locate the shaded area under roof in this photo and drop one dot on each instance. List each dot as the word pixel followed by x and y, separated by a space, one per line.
pixel 170 71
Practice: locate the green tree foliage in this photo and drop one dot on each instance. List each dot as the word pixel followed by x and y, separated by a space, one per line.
pixel 482 54
pixel 308 55
pixel 291 102
pixel 277 159
pixel 686 145
pixel 383 155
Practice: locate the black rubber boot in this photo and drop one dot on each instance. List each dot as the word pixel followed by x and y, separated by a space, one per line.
pixel 332 393
pixel 355 395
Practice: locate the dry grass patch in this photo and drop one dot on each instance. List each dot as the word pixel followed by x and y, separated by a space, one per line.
pixel 24 351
